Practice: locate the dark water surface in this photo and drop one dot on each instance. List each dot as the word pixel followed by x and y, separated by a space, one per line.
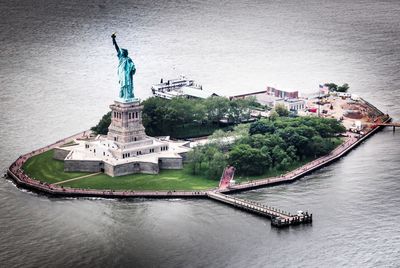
pixel 58 76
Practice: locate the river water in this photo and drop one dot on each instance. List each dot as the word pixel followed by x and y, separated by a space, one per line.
pixel 58 76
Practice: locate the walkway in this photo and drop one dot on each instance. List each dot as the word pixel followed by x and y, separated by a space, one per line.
pixel 279 218
pixel 226 177
pixel 350 142
pixel 77 178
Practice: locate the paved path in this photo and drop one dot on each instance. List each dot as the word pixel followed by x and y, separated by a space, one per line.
pixel 279 218
pixel 347 145
pixel 77 178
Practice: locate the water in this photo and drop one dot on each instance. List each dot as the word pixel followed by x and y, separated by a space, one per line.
pixel 58 76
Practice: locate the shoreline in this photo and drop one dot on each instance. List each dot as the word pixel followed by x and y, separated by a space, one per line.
pixel 17 175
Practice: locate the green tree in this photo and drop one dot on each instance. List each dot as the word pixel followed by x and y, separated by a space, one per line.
pixel 217 108
pixel 278 155
pixel 217 165
pixel 273 115
pixel 281 110
pixel 321 146
pixel 248 160
pixel 195 158
pixel 331 86
pixel 102 126
pixel 285 163
pixel 343 88
pixel 261 127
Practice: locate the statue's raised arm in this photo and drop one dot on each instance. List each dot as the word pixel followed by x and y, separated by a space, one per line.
pixel 113 36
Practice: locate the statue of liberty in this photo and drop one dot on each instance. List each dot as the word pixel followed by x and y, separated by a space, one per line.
pixel 126 70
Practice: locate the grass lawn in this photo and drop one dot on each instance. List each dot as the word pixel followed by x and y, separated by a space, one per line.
pixel 165 180
pixel 44 168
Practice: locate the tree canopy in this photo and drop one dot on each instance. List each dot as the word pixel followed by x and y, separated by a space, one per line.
pixel 184 118
pixel 102 126
pixel 271 145
pixel 167 117
pixel 335 88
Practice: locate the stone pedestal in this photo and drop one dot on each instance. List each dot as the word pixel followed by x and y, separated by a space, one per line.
pixel 126 122
pixel 126 149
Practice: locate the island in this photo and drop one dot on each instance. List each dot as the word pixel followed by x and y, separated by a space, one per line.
pixel 138 150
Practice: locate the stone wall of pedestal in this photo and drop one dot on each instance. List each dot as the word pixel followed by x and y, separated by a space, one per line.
pixel 126 122
pixel 137 167
pixel 109 169
pixel 126 141
pixel 170 163
pixel 83 165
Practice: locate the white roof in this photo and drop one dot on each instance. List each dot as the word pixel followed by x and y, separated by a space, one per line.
pixel 79 152
pixel 195 92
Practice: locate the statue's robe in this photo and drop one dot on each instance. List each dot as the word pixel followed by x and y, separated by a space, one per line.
pixel 126 69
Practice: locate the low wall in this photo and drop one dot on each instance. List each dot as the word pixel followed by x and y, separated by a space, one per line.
pixel 21 179
pixel 281 180
pixel 170 163
pixel 83 165
pixel 132 168
pixel 108 169
pixel 53 190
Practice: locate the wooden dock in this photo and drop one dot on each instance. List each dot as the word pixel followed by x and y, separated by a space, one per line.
pixel 278 217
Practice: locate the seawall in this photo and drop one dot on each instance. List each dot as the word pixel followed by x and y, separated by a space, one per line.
pixel 16 173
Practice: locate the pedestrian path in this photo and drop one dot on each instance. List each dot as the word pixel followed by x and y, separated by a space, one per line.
pixel 78 178
pixel 279 218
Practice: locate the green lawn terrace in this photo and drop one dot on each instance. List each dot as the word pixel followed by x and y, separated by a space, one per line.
pixel 45 168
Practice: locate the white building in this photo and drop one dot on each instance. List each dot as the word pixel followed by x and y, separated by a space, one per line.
pixel 292 104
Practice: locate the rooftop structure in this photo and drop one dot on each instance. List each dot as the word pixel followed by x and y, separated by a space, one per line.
pixel 282 94
pixel 268 96
pixel 261 96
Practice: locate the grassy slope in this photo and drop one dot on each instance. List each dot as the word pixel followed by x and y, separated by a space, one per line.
pixel 44 168
pixel 165 180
